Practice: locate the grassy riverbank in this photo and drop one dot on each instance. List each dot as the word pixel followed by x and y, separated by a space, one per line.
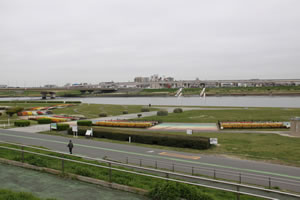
pixel 119 177
pixel 234 114
pixel 12 195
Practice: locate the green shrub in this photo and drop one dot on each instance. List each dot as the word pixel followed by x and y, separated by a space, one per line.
pixel 163 139
pixel 84 123
pixel 12 195
pixel 21 123
pixel 139 115
pixel 144 109
pixel 73 102
pixel 103 114
pixel 177 191
pixel 125 112
pixel 55 102
pixel 44 121
pixel 162 113
pixel 63 127
pixel 13 110
pixel 177 110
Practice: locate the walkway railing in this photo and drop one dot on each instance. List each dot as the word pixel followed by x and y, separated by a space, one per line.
pixel 237 188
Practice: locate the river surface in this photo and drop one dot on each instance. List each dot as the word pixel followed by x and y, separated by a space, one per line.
pixel 243 101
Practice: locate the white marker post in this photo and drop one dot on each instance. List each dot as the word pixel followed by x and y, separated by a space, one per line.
pixel 129 139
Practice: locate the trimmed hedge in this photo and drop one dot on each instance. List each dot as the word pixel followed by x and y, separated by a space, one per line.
pixel 44 121
pixel 177 110
pixel 84 123
pixel 193 142
pixel 63 127
pixel 104 114
pixel 144 109
pixel 125 112
pixel 13 111
pixel 162 113
pixel 73 102
pixel 21 123
pixel 55 102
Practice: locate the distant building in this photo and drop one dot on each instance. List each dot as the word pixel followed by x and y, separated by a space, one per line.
pixel 141 79
pixel 50 86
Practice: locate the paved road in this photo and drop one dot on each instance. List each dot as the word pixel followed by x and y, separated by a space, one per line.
pixel 283 176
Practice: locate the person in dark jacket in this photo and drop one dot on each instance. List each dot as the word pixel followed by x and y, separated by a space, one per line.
pixel 70 145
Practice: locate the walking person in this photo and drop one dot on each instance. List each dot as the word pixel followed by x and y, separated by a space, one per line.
pixel 70 145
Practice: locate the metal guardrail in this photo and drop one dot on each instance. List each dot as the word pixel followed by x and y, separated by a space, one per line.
pixel 240 177
pixel 188 179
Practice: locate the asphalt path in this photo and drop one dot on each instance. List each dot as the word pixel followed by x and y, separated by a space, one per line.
pixel 253 172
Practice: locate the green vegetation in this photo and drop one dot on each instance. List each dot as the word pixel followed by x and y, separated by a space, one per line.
pixel 93 110
pixel 177 191
pixel 12 195
pixel 228 91
pixel 162 113
pixel 144 137
pixel 103 174
pixel 235 114
pixel 103 114
pixel 44 121
pixel 145 109
pixel 22 123
pixel 177 110
pixel 62 127
pixel 84 123
pixel 13 110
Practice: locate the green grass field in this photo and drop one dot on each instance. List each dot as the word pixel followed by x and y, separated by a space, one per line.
pixel 88 110
pixel 239 114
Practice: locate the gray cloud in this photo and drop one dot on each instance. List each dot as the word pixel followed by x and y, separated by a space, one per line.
pixel 92 41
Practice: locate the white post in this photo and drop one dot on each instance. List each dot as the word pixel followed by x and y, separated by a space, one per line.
pixel 129 140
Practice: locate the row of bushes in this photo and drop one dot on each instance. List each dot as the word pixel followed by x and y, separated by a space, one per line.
pixel 193 142
pixel 22 123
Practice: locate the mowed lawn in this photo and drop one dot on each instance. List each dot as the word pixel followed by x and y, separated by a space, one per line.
pixel 238 114
pixel 93 110
pixel 88 110
pixel 268 147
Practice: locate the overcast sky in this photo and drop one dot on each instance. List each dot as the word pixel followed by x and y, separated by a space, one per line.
pixel 60 41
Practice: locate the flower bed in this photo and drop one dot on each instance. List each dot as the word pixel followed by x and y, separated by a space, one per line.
pixel 249 125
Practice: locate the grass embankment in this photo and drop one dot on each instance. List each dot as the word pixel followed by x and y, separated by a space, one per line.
pixel 238 114
pixel 12 195
pixel 33 93
pixel 133 180
pixel 88 110
pixel 281 90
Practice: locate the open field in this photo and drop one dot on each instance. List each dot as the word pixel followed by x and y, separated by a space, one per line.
pixel 88 110
pixel 213 116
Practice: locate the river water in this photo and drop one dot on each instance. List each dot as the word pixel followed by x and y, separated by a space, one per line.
pixel 243 101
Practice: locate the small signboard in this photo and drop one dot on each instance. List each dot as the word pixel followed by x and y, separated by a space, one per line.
pixel 213 140
pixel 89 133
pixel 189 131
pixel 53 126
pixel 74 128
